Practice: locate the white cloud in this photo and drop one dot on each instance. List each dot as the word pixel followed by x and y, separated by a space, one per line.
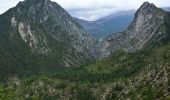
pixel 92 9
pixel 92 14
pixel 6 4
pixel 95 9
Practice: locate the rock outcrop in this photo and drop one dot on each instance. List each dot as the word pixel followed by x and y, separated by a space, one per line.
pixel 148 24
pixel 41 32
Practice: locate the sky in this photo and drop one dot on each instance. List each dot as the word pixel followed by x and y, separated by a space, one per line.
pixel 92 9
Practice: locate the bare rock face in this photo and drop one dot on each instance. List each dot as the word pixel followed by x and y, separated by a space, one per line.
pixel 148 22
pixel 47 33
pixel 56 21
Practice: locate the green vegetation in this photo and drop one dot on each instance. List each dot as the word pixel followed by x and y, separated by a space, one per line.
pixel 8 93
pixel 138 75
pixel 27 75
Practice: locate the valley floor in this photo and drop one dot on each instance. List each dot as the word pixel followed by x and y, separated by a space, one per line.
pixel 143 75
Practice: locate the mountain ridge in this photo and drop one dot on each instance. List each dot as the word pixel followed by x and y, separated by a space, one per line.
pixel 39 32
pixel 148 21
pixel 117 22
pixel 108 25
pixel 136 63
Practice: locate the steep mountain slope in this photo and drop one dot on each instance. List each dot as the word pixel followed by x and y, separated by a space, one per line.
pixel 40 35
pixel 114 23
pixel 105 26
pixel 143 74
pixel 149 27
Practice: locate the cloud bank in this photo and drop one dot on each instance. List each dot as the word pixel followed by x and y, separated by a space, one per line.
pixel 92 9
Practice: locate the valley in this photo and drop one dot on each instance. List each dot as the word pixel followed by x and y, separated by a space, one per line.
pixel 45 54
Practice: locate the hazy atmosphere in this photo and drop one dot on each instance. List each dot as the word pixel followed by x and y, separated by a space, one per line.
pixel 92 9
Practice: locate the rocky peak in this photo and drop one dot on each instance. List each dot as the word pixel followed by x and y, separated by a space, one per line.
pixel 35 2
pixel 47 29
pixel 147 5
pixel 147 13
pixel 31 6
pixel 146 26
pixel 41 10
pixel 147 9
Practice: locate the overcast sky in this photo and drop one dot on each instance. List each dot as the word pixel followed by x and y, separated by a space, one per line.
pixel 92 9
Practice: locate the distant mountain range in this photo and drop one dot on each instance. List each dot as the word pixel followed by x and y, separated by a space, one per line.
pixel 108 25
pixel 166 8
pixel 114 23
